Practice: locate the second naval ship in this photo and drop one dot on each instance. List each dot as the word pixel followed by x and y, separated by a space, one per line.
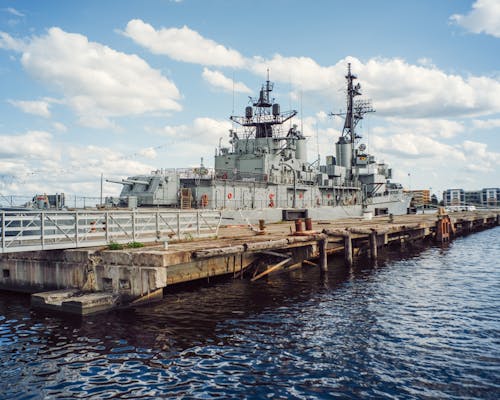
pixel 265 174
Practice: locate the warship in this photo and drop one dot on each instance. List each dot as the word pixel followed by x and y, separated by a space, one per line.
pixel 264 172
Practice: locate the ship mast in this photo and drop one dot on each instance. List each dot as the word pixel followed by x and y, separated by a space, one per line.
pixel 355 111
pixel 264 114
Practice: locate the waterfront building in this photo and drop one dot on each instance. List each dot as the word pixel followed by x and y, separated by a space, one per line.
pixel 420 197
pixel 490 197
pixel 473 197
pixel 454 197
pixel 487 197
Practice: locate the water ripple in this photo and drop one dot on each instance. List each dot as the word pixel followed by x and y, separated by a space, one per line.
pixel 421 325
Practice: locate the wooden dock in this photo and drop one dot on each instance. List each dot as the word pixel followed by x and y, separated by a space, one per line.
pixel 137 275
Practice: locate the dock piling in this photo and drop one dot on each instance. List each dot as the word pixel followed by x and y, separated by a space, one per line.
pixel 323 255
pixel 348 249
pixel 374 245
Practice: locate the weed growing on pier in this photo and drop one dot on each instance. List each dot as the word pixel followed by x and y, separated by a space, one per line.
pixel 134 245
pixel 115 246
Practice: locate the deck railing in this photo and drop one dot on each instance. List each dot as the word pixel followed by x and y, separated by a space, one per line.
pixel 44 230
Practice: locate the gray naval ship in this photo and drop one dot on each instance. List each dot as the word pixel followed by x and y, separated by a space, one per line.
pixel 265 174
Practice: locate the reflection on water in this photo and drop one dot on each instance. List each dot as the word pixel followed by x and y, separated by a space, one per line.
pixel 419 326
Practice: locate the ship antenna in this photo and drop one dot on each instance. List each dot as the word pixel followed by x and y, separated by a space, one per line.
pixel 301 114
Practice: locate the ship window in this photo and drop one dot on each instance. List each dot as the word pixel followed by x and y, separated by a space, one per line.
pixel 6 273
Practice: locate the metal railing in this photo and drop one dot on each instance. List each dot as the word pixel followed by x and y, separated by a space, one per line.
pixel 46 230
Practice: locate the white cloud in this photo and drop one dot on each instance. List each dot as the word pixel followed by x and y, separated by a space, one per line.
pixel 182 44
pixel 7 42
pixel 483 18
pixel 322 116
pixel 219 80
pixel 480 159
pixel 486 123
pixel 414 146
pixel 302 72
pixel 98 82
pixel 33 144
pixel 94 121
pixel 426 62
pixel 60 127
pixel 149 153
pixel 396 86
pixel 206 131
pixel 38 107
pixel 13 11
pixel 431 127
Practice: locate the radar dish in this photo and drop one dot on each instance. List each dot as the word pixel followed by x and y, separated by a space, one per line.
pixel 362 147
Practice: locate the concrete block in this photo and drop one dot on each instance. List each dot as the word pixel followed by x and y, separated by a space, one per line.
pixel 116 257
pixel 74 301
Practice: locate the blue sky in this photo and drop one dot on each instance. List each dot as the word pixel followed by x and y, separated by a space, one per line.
pixel 126 87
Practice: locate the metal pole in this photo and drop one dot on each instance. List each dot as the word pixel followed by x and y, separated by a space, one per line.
pixel 133 225
pixel 157 224
pixel 106 225
pixel 198 224
pixel 178 225
pixel 3 231
pixel 76 228
pixel 100 201
pixel 42 227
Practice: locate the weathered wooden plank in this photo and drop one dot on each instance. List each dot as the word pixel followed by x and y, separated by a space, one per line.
pixel 337 232
pixel 267 245
pixel 271 269
pixel 219 251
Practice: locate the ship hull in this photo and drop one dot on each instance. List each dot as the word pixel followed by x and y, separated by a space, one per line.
pixel 324 213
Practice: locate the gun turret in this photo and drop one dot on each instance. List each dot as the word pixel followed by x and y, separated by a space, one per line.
pixel 130 182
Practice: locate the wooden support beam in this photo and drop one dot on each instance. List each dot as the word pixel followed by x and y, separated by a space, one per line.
pixel 307 262
pixel 293 267
pixel 275 254
pixel 271 269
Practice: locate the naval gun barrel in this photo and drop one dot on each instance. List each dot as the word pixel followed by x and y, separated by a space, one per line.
pixel 128 182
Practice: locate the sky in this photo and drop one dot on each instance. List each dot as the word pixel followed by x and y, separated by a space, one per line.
pixel 119 88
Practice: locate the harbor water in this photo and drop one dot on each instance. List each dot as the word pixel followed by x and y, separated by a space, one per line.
pixel 421 324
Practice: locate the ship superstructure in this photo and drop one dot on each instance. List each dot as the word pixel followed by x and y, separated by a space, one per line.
pixel 264 172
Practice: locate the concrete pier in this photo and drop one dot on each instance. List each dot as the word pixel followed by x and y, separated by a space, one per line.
pixel 85 281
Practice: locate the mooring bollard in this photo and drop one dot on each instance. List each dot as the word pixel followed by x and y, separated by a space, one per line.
pixel 309 225
pixel 298 225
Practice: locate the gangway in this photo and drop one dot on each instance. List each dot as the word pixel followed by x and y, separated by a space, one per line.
pixel 47 230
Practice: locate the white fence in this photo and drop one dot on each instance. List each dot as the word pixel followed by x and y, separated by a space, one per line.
pixel 45 230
